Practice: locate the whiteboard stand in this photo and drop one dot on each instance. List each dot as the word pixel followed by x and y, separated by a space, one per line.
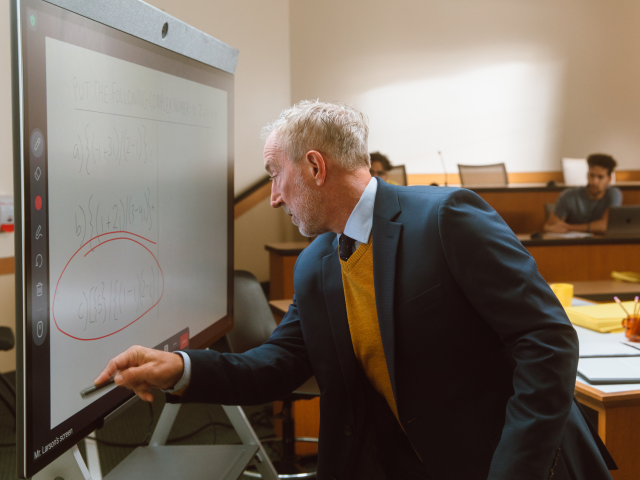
pixel 195 462
pixel 159 461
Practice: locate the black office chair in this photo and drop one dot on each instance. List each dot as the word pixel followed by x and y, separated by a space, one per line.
pixel 253 323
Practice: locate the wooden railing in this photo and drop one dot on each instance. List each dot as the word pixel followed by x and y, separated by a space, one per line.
pixel 251 197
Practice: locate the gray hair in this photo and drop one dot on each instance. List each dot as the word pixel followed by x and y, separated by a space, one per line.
pixel 333 129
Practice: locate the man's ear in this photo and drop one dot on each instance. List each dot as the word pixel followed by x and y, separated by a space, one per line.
pixel 317 164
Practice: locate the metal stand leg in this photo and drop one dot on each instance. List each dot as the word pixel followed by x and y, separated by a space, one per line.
pixel 165 422
pixel 69 466
pixel 248 437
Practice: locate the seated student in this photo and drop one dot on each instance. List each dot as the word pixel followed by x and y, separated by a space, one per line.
pixel 380 166
pixel 586 209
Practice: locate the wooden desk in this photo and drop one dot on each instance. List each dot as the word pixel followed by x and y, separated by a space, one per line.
pixel 558 260
pixel 583 259
pixel 279 308
pixel 618 409
pixel 618 426
pixel 282 259
pixel 522 205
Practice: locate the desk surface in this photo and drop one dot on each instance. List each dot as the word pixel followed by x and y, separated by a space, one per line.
pixel 606 393
pixel 604 290
pixel 536 187
pixel 547 241
pixel 280 307
pixel 295 248
pixel 539 187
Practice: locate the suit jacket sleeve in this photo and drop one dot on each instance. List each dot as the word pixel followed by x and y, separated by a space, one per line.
pixel 501 281
pixel 260 375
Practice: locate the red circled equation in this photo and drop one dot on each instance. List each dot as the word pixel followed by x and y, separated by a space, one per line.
pixel 112 244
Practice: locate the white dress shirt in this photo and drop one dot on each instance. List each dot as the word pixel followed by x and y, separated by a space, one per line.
pixel 360 221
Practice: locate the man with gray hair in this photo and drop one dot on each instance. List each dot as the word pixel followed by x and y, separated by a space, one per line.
pixel 439 349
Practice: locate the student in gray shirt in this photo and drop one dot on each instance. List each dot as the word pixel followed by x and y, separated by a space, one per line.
pixel 586 209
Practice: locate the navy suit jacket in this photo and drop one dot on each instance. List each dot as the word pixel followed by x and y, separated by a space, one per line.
pixel 481 355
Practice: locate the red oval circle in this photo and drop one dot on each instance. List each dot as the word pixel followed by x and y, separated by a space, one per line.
pixel 38 202
pixel 103 242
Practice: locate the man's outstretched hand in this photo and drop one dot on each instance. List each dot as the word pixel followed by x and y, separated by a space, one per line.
pixel 140 369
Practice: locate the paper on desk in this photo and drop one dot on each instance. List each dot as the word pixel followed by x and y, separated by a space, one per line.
pixel 604 317
pixel 608 349
pixel 568 235
pixel 603 371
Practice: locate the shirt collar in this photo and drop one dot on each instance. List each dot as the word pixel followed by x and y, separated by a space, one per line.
pixel 360 221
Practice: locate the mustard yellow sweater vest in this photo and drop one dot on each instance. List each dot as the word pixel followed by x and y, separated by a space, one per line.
pixel 359 293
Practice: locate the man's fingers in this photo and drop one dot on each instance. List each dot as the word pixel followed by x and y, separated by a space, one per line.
pixel 127 359
pixel 132 376
pixel 142 390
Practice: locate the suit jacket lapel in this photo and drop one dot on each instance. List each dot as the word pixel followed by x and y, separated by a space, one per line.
pixel 386 236
pixel 337 308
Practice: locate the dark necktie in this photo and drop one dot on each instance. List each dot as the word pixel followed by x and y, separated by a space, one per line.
pixel 346 247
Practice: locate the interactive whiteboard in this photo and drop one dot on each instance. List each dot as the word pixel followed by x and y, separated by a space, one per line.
pixel 125 179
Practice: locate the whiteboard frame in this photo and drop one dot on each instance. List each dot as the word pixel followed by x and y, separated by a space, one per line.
pixel 145 21
pixel 204 49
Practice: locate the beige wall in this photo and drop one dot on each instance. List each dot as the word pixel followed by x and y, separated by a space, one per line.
pixel 524 82
pixel 260 30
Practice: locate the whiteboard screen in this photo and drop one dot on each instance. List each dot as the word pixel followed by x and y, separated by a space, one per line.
pixel 126 213
pixel 133 243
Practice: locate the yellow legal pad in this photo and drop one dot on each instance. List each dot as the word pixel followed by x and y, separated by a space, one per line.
pixel 603 318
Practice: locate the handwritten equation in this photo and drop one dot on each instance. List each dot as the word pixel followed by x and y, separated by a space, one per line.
pixel 105 288
pixel 128 213
pixel 115 300
pixel 96 147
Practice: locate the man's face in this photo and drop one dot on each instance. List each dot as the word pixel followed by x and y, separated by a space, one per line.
pixel 293 192
pixel 377 170
pixel 598 181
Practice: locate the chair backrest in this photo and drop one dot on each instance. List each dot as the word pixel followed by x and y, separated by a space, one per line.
pixel 253 321
pixel 7 341
pixel 398 174
pixel 483 175
pixel 574 171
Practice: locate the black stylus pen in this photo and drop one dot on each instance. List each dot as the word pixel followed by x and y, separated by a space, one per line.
pixel 94 388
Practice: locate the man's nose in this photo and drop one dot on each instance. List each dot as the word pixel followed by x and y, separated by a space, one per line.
pixel 276 198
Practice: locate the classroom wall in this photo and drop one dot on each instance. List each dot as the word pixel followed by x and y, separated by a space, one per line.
pixel 524 82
